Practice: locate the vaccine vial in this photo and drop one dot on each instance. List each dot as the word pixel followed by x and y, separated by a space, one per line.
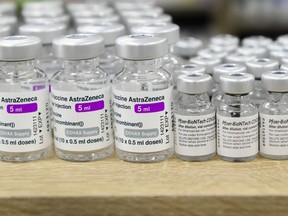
pixel 284 66
pixel 257 41
pixel 253 50
pixel 257 68
pixel 142 100
pixel 109 62
pixel 274 116
pixel 224 42
pixel 166 30
pixel 46 32
pixel 239 58
pixel 187 47
pixel 220 70
pixel 80 95
pixel 213 53
pixel 24 107
pixel 279 54
pixel 194 119
pixel 283 39
pixel 10 21
pixel 237 119
pixel 5 31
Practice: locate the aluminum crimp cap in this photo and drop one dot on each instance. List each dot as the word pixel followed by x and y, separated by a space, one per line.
pixel 109 31
pixel 209 63
pixel 228 68
pixel 260 65
pixel 20 48
pixel 237 83
pixel 224 40
pixel 159 29
pixel 257 40
pixel 5 30
pixel 78 46
pixel 194 83
pixel 46 32
pixel 188 46
pixel 275 81
pixel 284 66
pixel 141 47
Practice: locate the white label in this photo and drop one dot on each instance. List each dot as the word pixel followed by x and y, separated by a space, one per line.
pixel 25 121
pixel 237 137
pixel 82 119
pixel 274 134
pixel 143 120
pixel 195 135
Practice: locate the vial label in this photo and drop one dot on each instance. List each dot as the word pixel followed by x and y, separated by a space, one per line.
pixel 143 120
pixel 82 119
pixel 25 121
pixel 195 135
pixel 274 134
pixel 237 137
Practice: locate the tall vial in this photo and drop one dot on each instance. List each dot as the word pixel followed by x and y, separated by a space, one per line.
pixel 109 62
pixel 166 30
pixel 194 117
pixel 274 116
pixel 24 113
pixel 142 100
pixel 80 96
pixel 257 68
pixel 220 70
pixel 46 32
pixel 237 119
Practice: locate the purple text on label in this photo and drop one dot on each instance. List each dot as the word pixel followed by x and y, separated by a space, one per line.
pixel 149 108
pixel 89 107
pixel 22 108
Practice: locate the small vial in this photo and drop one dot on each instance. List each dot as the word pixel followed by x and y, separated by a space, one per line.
pixel 220 70
pixel 273 116
pixel 110 63
pixel 209 64
pixel 239 58
pixel 5 30
pixel 283 39
pixel 257 41
pixel 279 54
pixel 142 100
pixel 24 108
pixel 113 18
pixel 80 97
pixel 165 30
pixel 259 52
pixel 46 32
pixel 10 21
pixel 129 13
pixel 284 66
pixel 257 68
pixel 237 119
pixel 224 42
pixel 187 48
pixel 192 111
pixel 8 8
pixel 213 53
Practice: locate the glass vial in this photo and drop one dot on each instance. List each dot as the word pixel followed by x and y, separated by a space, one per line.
pixel 274 116
pixel 237 119
pixel 142 100
pixel 257 41
pixel 194 119
pixel 224 42
pixel 24 107
pixel 187 48
pixel 80 95
pixel 166 30
pixel 257 68
pixel 220 70
pixel 109 62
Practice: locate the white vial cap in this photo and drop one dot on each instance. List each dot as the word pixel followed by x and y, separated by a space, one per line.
pixel 208 63
pixel 211 53
pixel 187 46
pixel 279 55
pixel 275 81
pixel 160 29
pixel 189 69
pixel 47 33
pixel 5 30
pixel 104 11
pixel 224 40
pixel 63 19
pixel 141 47
pixel 7 8
pixel 276 46
pixel 20 48
pixel 257 40
pixel 260 65
pixel 97 19
pixel 139 4
pixel 194 83
pixel 109 31
pixel 239 58
pixel 283 39
pixel 228 68
pixel 148 18
pixel 284 61
pixel 259 52
pixel 44 12
pixel 11 21
pixel 78 46
pixel 284 67
pixel 141 12
pixel 237 83
pixel 40 5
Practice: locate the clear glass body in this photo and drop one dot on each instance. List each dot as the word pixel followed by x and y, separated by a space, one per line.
pixel 171 61
pixel 217 96
pixel 47 62
pixel 194 105
pixel 237 106
pixel 259 95
pixel 21 77
pixel 138 76
pixel 81 75
pixel 110 63
pixel 275 104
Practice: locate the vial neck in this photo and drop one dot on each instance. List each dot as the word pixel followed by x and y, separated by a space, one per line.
pixel 258 84
pixel 145 66
pixel 47 51
pixel 278 97
pixel 194 100
pixel 230 99
pixel 80 66
pixel 19 69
